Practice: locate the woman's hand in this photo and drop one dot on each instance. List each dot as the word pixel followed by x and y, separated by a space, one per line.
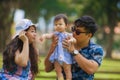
pixel 22 36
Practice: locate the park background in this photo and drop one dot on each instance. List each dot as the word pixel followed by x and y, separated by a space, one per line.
pixel 42 12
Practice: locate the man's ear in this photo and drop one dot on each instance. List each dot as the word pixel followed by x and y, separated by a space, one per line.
pixel 90 35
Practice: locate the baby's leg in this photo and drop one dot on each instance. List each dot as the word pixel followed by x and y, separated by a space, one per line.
pixel 67 70
pixel 58 70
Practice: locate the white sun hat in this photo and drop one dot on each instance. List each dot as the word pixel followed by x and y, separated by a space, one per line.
pixel 23 24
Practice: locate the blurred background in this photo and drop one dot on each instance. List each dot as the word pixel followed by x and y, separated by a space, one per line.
pixel 42 12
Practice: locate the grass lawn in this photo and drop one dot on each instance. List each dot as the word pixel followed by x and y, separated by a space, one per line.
pixel 107 65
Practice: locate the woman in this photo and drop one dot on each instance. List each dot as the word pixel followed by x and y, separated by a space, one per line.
pixel 20 56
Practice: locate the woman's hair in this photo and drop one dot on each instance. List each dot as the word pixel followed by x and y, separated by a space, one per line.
pixel 61 16
pixel 9 55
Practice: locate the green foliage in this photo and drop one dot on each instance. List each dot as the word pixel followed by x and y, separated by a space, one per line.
pixel 116 45
pixel 46 8
pixel 105 13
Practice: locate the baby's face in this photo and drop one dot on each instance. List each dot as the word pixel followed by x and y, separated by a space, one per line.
pixel 60 25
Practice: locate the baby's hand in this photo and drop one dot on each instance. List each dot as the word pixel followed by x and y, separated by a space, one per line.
pixel 41 39
pixel 72 40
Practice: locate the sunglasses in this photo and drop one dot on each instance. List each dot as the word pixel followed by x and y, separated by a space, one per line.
pixel 77 31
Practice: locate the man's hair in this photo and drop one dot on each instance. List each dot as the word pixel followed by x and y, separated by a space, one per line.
pixel 61 16
pixel 88 23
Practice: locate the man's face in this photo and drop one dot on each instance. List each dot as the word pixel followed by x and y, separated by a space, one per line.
pixel 81 34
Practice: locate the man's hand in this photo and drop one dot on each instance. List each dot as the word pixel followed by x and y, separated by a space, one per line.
pixel 68 45
pixel 54 41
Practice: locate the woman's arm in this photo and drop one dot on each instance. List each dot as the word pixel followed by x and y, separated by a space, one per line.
pixel 48 65
pixel 21 58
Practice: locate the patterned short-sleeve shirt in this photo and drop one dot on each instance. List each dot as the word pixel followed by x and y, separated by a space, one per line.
pixel 92 52
pixel 19 73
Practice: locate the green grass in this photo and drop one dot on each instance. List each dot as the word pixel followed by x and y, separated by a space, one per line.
pixel 110 65
pixel 108 76
pixel 107 65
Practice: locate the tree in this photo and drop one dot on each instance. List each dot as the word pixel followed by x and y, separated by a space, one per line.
pixel 6 15
pixel 7 9
pixel 32 10
pixel 106 13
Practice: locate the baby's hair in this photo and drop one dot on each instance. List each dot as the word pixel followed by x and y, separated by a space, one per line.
pixel 61 16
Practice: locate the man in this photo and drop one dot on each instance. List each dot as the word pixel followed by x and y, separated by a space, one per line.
pixel 87 56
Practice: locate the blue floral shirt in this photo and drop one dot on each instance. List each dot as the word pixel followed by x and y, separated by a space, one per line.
pixel 19 73
pixel 92 52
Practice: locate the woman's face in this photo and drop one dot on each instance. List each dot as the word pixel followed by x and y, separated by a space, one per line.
pixel 31 34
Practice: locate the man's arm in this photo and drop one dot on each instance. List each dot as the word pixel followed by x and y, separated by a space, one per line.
pixel 89 66
pixel 48 65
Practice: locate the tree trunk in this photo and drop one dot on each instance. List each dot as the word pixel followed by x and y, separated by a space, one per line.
pixel 110 45
pixel 112 21
pixel 5 23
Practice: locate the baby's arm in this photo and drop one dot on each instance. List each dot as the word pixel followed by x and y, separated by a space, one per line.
pixel 46 36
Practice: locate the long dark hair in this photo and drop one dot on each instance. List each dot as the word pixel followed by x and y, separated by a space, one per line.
pixel 9 55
